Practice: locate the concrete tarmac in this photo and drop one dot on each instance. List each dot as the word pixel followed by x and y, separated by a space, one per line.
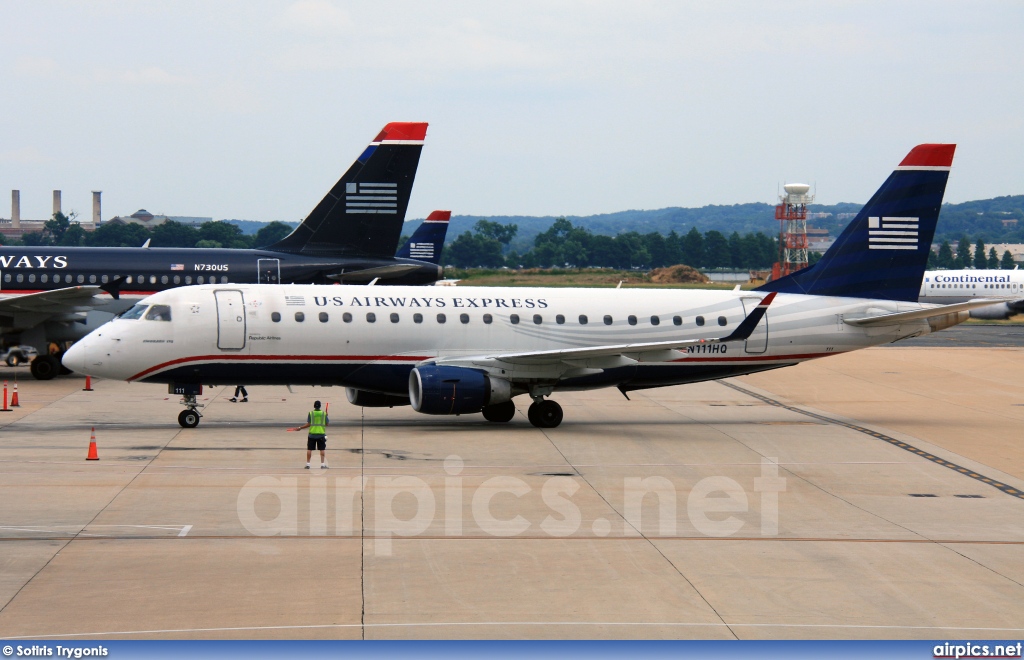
pixel 878 494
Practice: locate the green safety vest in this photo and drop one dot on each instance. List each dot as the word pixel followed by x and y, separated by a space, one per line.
pixel 317 418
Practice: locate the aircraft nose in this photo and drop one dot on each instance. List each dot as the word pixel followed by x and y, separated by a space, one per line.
pixel 76 358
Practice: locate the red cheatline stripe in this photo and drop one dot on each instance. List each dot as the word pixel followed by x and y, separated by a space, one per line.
pixel 291 358
pixel 711 357
pixel 930 155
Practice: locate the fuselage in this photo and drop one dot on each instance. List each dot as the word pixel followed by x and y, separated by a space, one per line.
pixel 944 287
pixel 952 286
pixel 370 337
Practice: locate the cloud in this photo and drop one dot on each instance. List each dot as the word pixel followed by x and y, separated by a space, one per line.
pixel 149 75
pixel 23 156
pixel 316 16
pixel 26 65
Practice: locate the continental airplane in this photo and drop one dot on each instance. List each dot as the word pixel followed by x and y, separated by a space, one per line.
pixel 953 286
pixel 58 294
pixel 461 350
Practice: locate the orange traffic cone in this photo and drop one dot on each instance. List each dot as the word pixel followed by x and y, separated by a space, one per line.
pixel 88 384
pixel 14 398
pixel 5 408
pixel 93 454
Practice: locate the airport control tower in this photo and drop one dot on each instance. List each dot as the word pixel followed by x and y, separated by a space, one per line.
pixel 792 216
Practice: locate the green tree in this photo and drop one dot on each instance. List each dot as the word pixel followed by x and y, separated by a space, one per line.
pixel 980 262
pixel 993 259
pixel 175 234
pixel 933 260
pixel 945 258
pixel 1007 262
pixel 963 253
pixel 497 231
pixel 716 250
pixel 273 232
pixel 206 243
pixel 222 232
pixel 55 228
pixel 471 250
pixel 73 237
pixel 693 248
pixel 111 234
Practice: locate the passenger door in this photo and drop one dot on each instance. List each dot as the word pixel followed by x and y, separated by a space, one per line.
pixel 230 320
pixel 757 342
pixel 269 271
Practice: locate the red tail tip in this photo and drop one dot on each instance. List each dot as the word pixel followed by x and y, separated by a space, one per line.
pixel 440 215
pixel 930 155
pixel 403 130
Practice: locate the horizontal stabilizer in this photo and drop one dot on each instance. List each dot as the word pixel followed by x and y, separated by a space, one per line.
pixel 380 272
pixel 925 313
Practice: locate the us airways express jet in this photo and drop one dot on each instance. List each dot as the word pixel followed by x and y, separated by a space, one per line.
pixel 57 294
pixel 465 350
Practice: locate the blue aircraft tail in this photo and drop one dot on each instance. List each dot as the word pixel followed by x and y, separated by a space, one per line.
pixel 883 253
pixel 427 241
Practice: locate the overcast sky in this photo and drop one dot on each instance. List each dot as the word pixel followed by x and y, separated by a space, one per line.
pixel 253 109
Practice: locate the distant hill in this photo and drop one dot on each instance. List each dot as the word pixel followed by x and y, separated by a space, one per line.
pixel 982 218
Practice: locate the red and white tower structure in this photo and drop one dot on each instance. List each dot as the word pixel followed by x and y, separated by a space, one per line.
pixel 792 216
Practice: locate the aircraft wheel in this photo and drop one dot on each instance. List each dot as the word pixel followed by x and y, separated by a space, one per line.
pixel 44 367
pixel 545 414
pixel 500 412
pixel 188 419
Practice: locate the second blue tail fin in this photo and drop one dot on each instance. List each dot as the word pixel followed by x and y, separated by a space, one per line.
pixel 883 253
pixel 427 241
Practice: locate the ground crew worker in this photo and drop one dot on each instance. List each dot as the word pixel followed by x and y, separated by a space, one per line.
pixel 317 423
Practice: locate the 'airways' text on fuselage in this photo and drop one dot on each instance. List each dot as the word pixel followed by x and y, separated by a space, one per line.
pixel 25 261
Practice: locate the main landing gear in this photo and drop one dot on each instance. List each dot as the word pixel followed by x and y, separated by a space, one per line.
pixel 45 367
pixel 544 413
pixel 189 418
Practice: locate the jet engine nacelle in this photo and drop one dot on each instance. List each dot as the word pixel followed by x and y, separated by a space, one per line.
pixel 374 399
pixel 995 312
pixel 440 390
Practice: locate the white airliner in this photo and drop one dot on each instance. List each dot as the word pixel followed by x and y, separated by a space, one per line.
pixel 458 350
pixel 953 286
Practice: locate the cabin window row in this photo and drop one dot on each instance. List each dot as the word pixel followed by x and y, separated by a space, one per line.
pixel 46 278
pixel 371 317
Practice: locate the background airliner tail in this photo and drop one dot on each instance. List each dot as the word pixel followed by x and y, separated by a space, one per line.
pixel 883 253
pixel 427 241
pixel 364 212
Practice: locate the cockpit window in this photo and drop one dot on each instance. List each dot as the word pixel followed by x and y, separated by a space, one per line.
pixel 135 312
pixel 159 313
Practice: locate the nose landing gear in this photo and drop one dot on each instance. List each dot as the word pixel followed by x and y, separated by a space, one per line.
pixel 189 418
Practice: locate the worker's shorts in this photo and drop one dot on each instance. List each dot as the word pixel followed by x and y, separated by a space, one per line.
pixel 317 441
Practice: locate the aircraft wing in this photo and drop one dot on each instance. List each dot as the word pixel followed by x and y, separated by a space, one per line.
pixel 930 312
pixel 644 351
pixel 60 301
pixel 382 272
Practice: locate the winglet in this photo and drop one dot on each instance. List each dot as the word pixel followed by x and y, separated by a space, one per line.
pixel 113 287
pixel 746 328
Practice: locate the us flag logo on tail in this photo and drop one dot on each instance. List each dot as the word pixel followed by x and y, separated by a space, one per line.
pixel 421 250
pixel 371 198
pixel 892 233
